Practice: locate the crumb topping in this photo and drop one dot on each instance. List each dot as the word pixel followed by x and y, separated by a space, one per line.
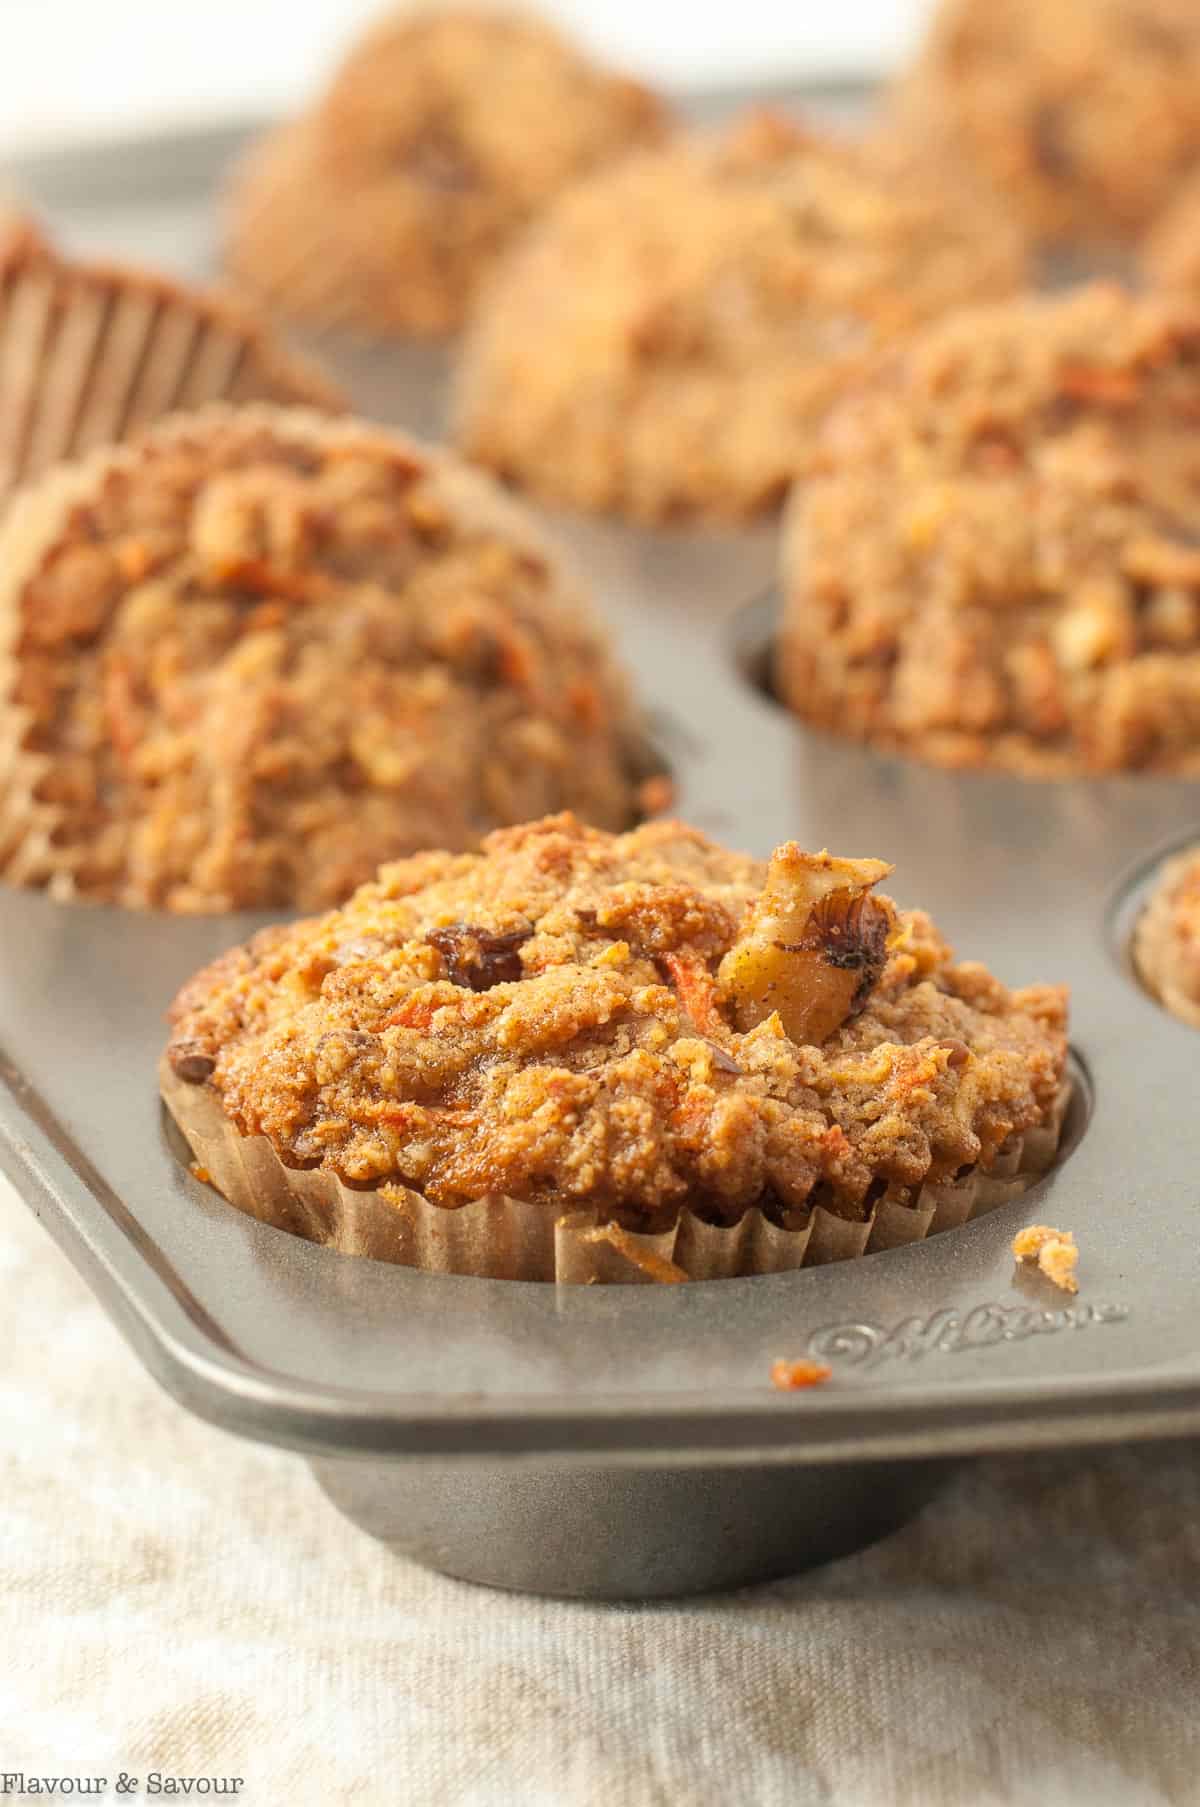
pixel 676 326
pixel 1001 561
pixel 258 658
pixel 387 1041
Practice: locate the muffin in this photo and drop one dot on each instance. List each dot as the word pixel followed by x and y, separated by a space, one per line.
pixel 1166 942
pixel 250 656
pixel 572 1045
pixel 1171 254
pixel 999 563
pixel 1085 114
pixel 665 341
pixel 92 353
pixel 444 132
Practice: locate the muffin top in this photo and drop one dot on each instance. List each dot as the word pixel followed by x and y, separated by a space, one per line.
pixel 1084 114
pixel 445 130
pixel 665 340
pixel 631 1022
pixel 1167 937
pixel 257 652
pixel 999 564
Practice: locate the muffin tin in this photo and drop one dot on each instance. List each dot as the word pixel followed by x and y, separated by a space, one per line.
pixel 626 1441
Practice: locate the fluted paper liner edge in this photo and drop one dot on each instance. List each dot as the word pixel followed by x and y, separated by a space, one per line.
pixel 504 1238
pixel 91 354
pixel 29 529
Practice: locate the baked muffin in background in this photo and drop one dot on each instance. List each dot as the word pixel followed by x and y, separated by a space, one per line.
pixel 1171 253
pixel 644 1029
pixel 1083 114
pixel 444 132
pixel 665 341
pixel 1166 940
pixel 92 353
pixel 257 652
pixel 1000 564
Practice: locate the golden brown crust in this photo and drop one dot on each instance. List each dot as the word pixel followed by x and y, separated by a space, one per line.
pixel 258 652
pixel 1084 114
pixel 1171 253
pixel 999 565
pixel 443 134
pixel 609 1075
pixel 1166 942
pixel 673 330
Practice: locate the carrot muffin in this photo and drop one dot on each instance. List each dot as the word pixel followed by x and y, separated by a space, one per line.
pixel 665 341
pixel 443 133
pixel 257 652
pixel 1085 114
pixel 626 1026
pixel 1171 255
pixel 999 564
pixel 1166 942
pixel 91 353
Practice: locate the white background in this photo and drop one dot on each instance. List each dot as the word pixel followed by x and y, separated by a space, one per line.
pixel 69 68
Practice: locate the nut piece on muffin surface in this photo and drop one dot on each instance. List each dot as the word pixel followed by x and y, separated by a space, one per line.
pixel 1083 114
pixel 664 342
pixel 256 653
pixel 1166 940
pixel 587 1054
pixel 444 132
pixel 999 563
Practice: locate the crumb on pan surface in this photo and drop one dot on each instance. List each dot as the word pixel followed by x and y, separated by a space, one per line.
pixel 794 1376
pixel 260 652
pixel 1000 562
pixel 443 133
pixel 546 1019
pixel 1085 114
pixel 1052 1252
pixel 1166 940
pixel 665 340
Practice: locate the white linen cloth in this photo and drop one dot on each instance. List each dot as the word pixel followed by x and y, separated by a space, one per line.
pixel 174 1599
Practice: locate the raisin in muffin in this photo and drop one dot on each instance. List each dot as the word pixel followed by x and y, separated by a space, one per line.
pixel 1166 943
pixel 92 353
pixel 664 342
pixel 256 652
pixel 1085 114
pixel 443 133
pixel 999 564
pixel 628 1027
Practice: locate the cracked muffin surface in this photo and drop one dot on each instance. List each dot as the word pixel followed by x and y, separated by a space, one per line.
pixel 1166 941
pixel 443 133
pixel 1000 562
pixel 665 340
pixel 1084 114
pixel 255 654
pixel 594 1020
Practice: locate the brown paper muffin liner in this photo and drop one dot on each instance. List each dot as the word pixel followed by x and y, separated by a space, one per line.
pixel 505 1239
pixel 90 354
pixel 29 852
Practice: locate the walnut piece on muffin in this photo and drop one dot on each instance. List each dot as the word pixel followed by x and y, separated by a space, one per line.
pixel 999 563
pixel 257 652
pixel 1166 940
pixel 547 1020
pixel 666 339
pixel 1083 114
pixel 444 132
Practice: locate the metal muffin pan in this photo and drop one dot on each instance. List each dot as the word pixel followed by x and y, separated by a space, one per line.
pixel 626 1442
